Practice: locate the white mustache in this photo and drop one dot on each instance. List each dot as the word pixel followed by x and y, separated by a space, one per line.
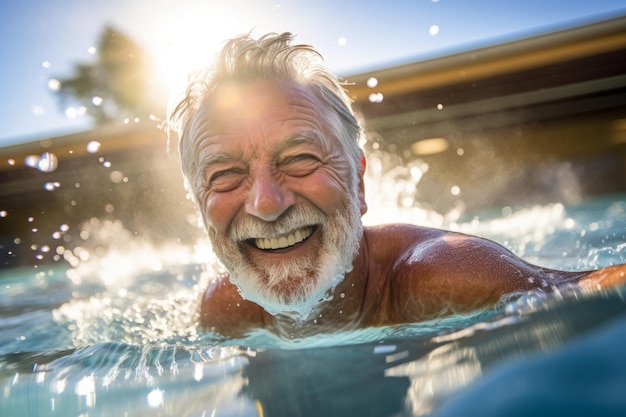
pixel 252 228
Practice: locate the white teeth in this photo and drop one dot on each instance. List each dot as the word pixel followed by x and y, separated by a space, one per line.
pixel 284 241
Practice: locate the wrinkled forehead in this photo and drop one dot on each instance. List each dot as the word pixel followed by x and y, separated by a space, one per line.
pixel 237 104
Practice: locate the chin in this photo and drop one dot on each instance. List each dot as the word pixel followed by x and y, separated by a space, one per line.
pixel 287 295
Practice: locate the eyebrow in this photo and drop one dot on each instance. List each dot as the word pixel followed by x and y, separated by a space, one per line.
pixel 296 139
pixel 207 159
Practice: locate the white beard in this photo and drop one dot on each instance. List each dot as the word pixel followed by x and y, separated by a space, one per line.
pixel 297 285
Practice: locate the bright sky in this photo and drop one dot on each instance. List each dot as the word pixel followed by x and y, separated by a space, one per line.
pixel 43 39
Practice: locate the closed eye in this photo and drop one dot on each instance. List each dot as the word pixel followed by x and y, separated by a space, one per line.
pixel 300 165
pixel 226 180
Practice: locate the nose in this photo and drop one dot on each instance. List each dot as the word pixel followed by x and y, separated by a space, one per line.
pixel 268 199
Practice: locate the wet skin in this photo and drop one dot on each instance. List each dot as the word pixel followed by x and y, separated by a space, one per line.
pixel 268 153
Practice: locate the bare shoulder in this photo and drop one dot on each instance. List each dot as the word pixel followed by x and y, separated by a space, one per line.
pixel 412 246
pixel 437 272
pixel 223 310
pixel 471 263
pixel 393 239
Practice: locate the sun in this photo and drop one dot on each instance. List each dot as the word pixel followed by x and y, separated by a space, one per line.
pixel 188 43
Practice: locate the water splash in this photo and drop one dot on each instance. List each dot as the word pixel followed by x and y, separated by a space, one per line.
pixel 147 298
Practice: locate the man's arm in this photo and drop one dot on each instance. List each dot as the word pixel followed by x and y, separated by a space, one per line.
pixel 455 273
pixel 604 278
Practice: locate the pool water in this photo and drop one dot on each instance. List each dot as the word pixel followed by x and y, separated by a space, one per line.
pixel 113 336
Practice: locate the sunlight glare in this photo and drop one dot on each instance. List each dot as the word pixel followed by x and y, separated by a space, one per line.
pixel 189 44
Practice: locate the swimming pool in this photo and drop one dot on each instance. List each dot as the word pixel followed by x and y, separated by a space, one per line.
pixel 115 335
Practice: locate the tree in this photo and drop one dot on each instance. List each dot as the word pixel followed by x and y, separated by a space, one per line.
pixel 116 86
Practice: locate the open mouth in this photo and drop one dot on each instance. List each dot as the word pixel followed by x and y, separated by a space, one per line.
pixel 285 241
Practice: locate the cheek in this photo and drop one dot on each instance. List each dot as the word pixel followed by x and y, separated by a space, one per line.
pixel 329 191
pixel 219 212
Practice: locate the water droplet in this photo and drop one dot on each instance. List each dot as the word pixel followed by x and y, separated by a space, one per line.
pixel 31 219
pixel 64 228
pixel 372 82
pixel 11 161
pixel 48 162
pixel 3 213
pixel 56 235
pixel 93 146
pixel 31 161
pixel 455 190
pixel 376 98
pixel 342 41
pixel 54 85
pixel 51 186
pixel 434 29
pixel 46 64
pixel 439 106
pixel 92 50
pixel 96 100
pixel 460 151
pixel 342 295
pixel 116 177
pixel 71 112
pixel 106 164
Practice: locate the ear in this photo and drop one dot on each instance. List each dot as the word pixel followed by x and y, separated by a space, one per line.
pixel 362 185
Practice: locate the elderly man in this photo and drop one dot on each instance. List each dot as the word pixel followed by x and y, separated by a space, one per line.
pixel 269 146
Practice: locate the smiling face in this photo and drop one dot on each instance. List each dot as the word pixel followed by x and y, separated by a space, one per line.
pixel 280 198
